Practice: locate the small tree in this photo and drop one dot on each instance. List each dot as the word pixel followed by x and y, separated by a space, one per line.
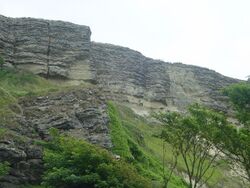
pixel 236 146
pixel 1 62
pixel 192 138
pixel 172 119
pixel 239 95
pixel 237 142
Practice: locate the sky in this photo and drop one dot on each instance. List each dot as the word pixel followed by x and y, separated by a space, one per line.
pixel 209 33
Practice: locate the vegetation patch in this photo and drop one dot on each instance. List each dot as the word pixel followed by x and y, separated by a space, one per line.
pixel 136 132
pixel 71 162
pixel 4 168
pixel 146 147
pixel 15 84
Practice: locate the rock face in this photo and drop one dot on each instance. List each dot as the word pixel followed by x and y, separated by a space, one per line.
pixel 58 50
pixel 25 160
pixel 145 83
pixel 63 51
pixel 45 47
pixel 80 113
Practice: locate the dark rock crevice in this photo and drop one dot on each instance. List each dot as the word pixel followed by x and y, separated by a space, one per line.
pixel 63 51
pixel 45 47
pixel 48 51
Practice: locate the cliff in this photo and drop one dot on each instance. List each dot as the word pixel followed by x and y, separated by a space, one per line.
pixel 146 83
pixel 45 47
pixel 62 50
pixel 63 53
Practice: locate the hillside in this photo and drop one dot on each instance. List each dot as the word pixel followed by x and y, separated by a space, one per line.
pixel 54 76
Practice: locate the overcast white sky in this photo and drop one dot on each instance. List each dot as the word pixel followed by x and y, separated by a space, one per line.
pixel 208 33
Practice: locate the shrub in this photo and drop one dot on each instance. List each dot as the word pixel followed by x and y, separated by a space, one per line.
pixel 75 163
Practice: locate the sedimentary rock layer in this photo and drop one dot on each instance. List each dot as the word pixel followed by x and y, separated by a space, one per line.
pixel 57 50
pixel 128 76
pixel 81 113
pixel 45 47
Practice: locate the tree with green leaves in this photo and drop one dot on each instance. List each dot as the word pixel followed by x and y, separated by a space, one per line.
pixel 237 141
pixel 239 95
pixel 169 137
pixel 191 137
pixel 236 145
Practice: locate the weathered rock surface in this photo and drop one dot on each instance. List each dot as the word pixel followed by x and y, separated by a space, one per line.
pixel 63 51
pixel 25 160
pixel 45 47
pixel 80 113
pixel 128 76
pixel 58 49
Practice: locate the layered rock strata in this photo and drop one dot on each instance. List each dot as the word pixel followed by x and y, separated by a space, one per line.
pixel 62 50
pixel 144 83
pixel 48 48
pixel 79 113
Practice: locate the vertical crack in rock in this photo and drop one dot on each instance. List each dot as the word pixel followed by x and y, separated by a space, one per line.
pixel 48 50
pixel 58 49
pixel 14 44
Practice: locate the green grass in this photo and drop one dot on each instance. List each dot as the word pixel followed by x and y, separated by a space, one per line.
pixel 118 135
pixel 140 137
pixel 130 135
pixel 15 84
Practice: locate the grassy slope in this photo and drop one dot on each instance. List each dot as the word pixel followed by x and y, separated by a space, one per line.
pixel 130 135
pixel 13 85
pixel 16 84
pixel 130 127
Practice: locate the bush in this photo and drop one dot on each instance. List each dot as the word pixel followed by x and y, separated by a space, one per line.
pixel 4 168
pixel 75 163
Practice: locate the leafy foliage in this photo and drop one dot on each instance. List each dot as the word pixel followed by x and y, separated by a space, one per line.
pixel 71 163
pixel 4 168
pixel 126 146
pixel 192 137
pixel 140 142
pixel 237 141
pixel 239 95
